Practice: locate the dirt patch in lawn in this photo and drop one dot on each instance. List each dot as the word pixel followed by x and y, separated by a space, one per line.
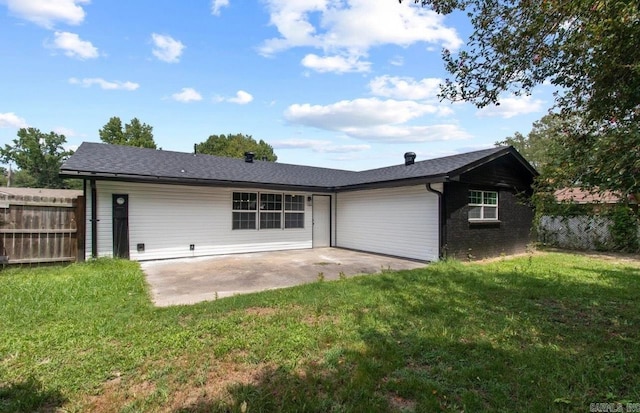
pixel 261 311
pixel 169 394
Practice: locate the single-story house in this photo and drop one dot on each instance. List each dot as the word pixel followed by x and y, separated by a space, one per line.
pixel 147 204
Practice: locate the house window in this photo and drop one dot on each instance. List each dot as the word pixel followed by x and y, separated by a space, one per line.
pixel 270 211
pixel 294 211
pixel 483 206
pixel 244 210
pixel 275 209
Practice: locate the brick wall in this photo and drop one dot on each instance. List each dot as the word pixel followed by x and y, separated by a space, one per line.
pixel 465 240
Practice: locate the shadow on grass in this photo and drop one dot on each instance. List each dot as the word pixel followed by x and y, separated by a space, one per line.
pixel 466 341
pixel 29 396
pixel 391 376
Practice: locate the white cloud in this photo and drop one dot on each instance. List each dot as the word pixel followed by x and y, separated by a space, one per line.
pixel 166 48
pixel 512 106
pixel 104 84
pixel 186 95
pixel 11 120
pixel 338 64
pixel 352 27
pixel 73 46
pixel 397 61
pixel 216 5
pixel 319 146
pixel 375 120
pixel 47 12
pixel 407 134
pixel 67 132
pixel 241 98
pixel 405 87
pixel 358 113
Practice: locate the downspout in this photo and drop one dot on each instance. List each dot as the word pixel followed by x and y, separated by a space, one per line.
pixel 94 220
pixel 442 223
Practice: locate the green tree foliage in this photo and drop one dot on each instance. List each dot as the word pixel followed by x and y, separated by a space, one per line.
pixel 234 146
pixel 541 145
pixel 38 156
pixel 588 49
pixel 134 133
pixel 624 229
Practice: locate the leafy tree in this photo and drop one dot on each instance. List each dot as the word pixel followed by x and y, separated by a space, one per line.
pixel 234 146
pixel 134 133
pixel 541 144
pixel 587 49
pixel 22 179
pixel 39 157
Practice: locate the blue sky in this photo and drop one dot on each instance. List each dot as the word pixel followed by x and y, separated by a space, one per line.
pixel 347 84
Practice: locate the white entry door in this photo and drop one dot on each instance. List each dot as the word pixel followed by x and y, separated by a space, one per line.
pixel 321 221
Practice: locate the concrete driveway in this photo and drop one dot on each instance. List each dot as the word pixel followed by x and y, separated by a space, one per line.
pixel 191 280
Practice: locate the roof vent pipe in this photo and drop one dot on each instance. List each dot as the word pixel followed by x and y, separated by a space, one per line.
pixel 195 148
pixel 409 158
pixel 248 157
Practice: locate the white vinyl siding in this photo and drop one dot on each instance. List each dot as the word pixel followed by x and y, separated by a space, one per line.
pixel 169 218
pixel 396 221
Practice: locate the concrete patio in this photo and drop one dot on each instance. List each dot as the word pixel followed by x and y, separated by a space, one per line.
pixel 191 280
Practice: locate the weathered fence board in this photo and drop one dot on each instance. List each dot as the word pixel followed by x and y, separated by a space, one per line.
pixel 36 229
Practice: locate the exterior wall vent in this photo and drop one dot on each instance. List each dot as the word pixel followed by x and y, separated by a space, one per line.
pixel 409 158
pixel 248 157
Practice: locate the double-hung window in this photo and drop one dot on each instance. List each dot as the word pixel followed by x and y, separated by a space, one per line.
pixel 483 206
pixel 270 211
pixel 253 210
pixel 244 210
pixel 294 211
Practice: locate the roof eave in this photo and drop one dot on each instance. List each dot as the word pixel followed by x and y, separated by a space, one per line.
pixel 395 183
pixel 490 158
pixel 66 173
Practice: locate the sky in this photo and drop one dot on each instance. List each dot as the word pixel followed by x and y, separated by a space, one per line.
pixel 346 84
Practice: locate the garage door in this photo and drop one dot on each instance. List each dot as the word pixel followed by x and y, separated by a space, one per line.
pixel 397 221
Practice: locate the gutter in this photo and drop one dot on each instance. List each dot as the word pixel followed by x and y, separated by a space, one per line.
pixel 442 224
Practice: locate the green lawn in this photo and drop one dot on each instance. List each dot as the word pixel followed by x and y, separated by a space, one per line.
pixel 549 332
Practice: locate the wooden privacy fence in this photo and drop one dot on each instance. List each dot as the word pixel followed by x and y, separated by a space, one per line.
pixel 39 229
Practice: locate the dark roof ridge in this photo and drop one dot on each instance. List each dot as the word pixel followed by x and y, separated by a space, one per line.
pixel 105 161
pixel 225 158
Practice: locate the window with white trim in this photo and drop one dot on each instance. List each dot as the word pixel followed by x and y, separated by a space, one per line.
pixel 483 206
pixel 252 210
pixel 270 211
pixel 294 211
pixel 245 205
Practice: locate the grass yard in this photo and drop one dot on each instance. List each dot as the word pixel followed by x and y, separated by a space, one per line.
pixel 540 333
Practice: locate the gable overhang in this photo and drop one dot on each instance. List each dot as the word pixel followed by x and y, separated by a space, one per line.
pixel 504 152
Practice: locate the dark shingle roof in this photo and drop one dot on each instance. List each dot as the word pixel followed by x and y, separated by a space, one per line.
pixel 140 164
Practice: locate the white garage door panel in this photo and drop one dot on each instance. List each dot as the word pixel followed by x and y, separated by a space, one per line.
pixel 396 221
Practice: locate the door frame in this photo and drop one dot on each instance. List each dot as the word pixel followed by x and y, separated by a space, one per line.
pixel 328 223
pixel 118 251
